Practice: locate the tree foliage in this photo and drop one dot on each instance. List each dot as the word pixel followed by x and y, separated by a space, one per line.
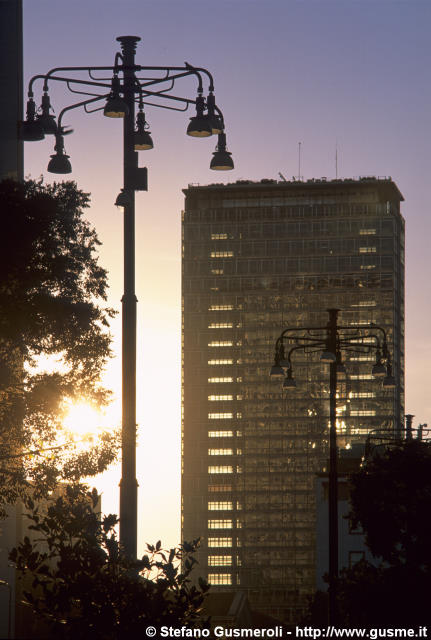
pixel 391 500
pixel 52 295
pixel 391 497
pixel 84 586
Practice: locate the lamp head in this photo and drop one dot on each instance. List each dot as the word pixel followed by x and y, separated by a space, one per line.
pixel 46 119
pixel 199 125
pixel 378 370
pixel 221 160
pixel 277 371
pixel 59 162
pixel 289 382
pixel 328 356
pixel 143 139
pixel 115 106
pixel 123 199
pixel 216 121
pixel 389 380
pixel 31 129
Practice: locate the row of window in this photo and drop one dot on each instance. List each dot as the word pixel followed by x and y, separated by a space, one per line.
pixel 220 578
pixel 311 264
pixel 224 452
pixel 225 236
pixel 222 543
pixel 212 469
pixel 220 434
pixel 323 247
pixel 223 524
pixel 219 561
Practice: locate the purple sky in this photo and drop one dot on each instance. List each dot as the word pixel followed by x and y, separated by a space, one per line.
pixel 351 72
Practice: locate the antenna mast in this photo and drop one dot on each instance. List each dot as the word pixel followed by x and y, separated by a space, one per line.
pixel 299 161
pixel 336 160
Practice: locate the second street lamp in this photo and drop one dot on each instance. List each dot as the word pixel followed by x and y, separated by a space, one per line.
pixel 120 92
pixel 330 341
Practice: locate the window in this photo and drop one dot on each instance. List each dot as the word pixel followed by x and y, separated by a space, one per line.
pixel 365 303
pixel 219 488
pixel 220 452
pixel 362 376
pixel 362 359
pixel 219 524
pixel 361 412
pixel 355 556
pixel 220 506
pixel 220 343
pixel 220 469
pixel 219 236
pixel 220 307
pixel 367 249
pixel 367 232
pixel 219 398
pixel 219 561
pixel 213 380
pixel 220 434
pixel 219 542
pixel 225 361
pixel 217 272
pixel 368 266
pixel 220 578
pixel 363 394
pixel 220 325
pixel 221 254
pixel 220 416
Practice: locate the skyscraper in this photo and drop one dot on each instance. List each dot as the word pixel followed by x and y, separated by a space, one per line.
pixel 258 257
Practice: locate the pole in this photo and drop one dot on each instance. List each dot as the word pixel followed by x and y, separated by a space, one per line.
pixel 333 474
pixel 129 483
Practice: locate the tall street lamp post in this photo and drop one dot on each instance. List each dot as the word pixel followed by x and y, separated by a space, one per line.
pixel 331 341
pixel 127 85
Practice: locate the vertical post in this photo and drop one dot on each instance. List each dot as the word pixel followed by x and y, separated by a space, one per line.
pixel 409 432
pixel 333 473
pixel 128 483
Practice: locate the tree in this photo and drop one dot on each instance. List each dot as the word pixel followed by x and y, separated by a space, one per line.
pixel 84 586
pixel 51 290
pixel 391 500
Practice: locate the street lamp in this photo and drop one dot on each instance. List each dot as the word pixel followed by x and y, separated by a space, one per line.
pixel 330 341
pixel 128 83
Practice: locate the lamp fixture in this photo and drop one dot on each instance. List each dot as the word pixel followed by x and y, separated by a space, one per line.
pixel 328 356
pixel 143 139
pixel 199 125
pixel 221 160
pixel 289 382
pixel 59 162
pixel 378 370
pixel 46 119
pixel 115 106
pixel 31 129
pixel 216 121
pixel 389 380
pixel 277 371
pixel 123 198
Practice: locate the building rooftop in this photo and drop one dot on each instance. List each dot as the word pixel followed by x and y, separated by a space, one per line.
pixel 382 182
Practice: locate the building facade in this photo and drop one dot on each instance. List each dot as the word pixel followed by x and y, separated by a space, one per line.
pixel 258 257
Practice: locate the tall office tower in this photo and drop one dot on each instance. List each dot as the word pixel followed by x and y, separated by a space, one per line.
pixel 258 257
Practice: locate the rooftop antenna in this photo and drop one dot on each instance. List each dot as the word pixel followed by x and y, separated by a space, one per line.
pixel 336 160
pixel 282 176
pixel 299 161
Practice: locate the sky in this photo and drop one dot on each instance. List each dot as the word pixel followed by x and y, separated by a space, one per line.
pixel 326 73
